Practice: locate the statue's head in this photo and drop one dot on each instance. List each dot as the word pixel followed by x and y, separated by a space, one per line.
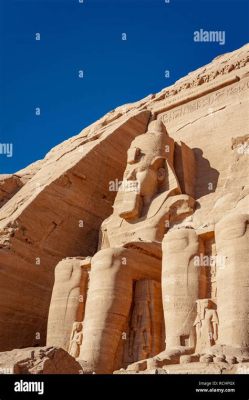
pixel 203 304
pixel 78 326
pixel 145 173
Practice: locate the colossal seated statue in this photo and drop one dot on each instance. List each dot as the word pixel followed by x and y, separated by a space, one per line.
pixel 131 243
pixel 149 243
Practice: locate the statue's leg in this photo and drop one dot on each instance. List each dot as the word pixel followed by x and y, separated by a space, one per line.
pixel 180 288
pixel 109 301
pixel 232 243
pixel 64 303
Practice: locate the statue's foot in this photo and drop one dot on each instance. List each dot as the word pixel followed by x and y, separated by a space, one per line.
pixel 217 358
pixel 138 366
pixel 184 355
pixel 166 357
pixel 225 354
pixel 189 358
pixel 229 353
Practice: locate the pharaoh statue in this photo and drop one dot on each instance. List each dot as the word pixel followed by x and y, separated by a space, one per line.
pixel 150 237
pixel 206 324
pixel 130 246
pixel 75 340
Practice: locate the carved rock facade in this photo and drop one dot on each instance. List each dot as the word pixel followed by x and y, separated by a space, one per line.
pixel 160 280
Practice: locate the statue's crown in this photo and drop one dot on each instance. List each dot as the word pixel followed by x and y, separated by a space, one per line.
pixel 157 127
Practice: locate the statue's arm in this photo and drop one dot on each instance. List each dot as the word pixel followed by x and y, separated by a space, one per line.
pixel 72 334
pixel 79 339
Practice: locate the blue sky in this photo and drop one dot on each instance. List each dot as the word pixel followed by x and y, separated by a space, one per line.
pixel 88 37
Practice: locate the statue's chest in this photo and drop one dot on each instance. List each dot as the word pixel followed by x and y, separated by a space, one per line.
pixel 120 231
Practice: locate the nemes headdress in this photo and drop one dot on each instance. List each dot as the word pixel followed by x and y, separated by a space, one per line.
pixel 153 142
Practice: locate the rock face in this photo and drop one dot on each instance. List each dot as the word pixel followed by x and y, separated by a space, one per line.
pixel 9 186
pixel 145 214
pixel 38 360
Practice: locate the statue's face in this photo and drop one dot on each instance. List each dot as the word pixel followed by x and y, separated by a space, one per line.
pixel 78 327
pixel 202 304
pixel 143 173
pixel 144 167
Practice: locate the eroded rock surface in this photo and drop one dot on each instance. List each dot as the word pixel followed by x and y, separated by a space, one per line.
pixel 38 360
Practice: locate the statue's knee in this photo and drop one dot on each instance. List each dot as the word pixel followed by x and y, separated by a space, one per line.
pixel 107 259
pixel 67 269
pixel 102 260
pixel 232 226
pixel 179 239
